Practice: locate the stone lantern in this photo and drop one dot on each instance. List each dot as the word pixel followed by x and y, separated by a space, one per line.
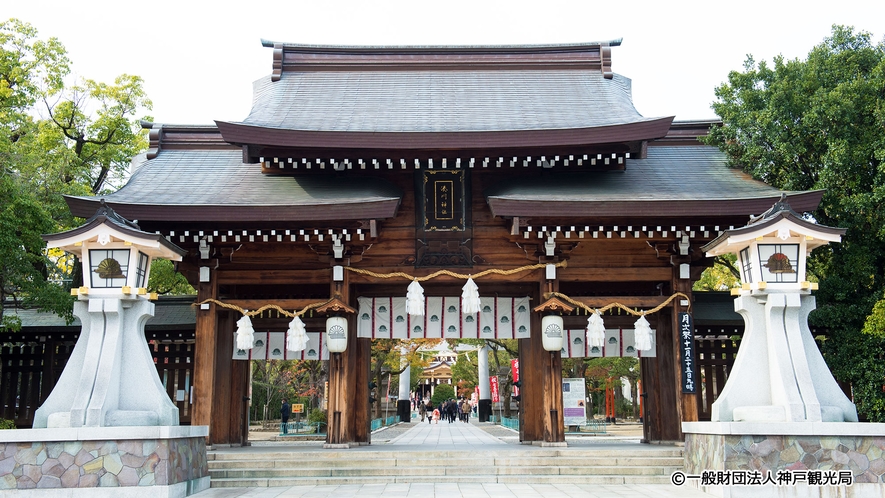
pixel 110 379
pixel 779 374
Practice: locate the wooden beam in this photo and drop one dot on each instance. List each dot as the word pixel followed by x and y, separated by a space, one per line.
pixel 286 304
pixel 629 301
pixel 275 277
pixel 648 274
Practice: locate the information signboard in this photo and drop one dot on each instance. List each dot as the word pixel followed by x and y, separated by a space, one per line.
pixel 574 396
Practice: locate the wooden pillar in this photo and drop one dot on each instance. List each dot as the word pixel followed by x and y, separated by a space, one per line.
pixel 688 403
pixel 661 418
pixel 348 416
pixel 541 392
pixel 222 409
pixel 231 386
pixel 205 355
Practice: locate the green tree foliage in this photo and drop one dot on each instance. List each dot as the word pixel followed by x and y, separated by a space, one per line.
pixel 24 268
pixel 818 124
pixel 442 393
pixel 722 276
pixel 165 280
pixel 57 137
pixel 610 372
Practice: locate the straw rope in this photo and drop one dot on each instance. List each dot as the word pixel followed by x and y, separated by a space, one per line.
pixel 619 305
pixel 265 308
pixel 399 274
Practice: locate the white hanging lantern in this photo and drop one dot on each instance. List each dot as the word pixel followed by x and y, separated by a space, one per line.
pixel 336 334
pixel 245 333
pixel 415 299
pixel 642 334
pixel 296 336
pixel 595 330
pixel 470 302
pixel 551 328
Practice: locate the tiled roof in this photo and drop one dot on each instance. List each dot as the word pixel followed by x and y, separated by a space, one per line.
pixel 437 101
pixel 170 313
pixel 213 185
pixel 671 181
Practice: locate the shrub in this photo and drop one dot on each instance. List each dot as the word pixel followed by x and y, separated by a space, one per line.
pixel 6 424
pixel 316 415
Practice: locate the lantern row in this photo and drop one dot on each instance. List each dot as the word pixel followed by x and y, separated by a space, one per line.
pixel 291 163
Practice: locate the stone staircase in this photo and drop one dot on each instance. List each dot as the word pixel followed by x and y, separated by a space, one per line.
pixel 630 464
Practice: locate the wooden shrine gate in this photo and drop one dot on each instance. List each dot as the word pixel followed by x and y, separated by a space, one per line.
pixel 397 163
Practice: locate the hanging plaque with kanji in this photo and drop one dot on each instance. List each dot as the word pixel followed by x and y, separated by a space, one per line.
pixel 444 200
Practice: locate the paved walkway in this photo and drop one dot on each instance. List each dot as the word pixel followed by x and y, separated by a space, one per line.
pixel 442 433
pixel 423 436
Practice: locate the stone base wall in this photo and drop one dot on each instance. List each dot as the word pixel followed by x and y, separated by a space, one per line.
pixel 103 463
pixel 863 456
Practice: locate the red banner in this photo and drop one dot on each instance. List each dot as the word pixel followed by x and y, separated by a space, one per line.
pixel 514 369
pixel 493 383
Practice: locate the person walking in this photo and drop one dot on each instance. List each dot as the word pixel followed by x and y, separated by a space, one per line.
pixel 422 410
pixel 285 410
pixel 465 411
pixel 428 409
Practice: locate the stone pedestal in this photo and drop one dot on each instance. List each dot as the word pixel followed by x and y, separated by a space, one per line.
pixel 744 448
pixel 149 462
pixel 779 374
pixel 110 379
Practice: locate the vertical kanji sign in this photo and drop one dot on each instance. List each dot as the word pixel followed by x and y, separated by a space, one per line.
pixel 493 383
pixel 686 348
pixel 514 369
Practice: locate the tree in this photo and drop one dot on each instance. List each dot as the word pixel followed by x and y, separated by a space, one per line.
pixel 56 137
pixel 722 276
pixel 817 124
pixel 24 269
pixel 442 393
pixel 609 372
pixel 271 382
pixel 387 359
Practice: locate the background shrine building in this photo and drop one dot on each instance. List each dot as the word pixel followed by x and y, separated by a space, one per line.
pixel 416 159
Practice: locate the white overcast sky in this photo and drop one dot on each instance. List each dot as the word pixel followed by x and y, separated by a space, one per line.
pixel 199 58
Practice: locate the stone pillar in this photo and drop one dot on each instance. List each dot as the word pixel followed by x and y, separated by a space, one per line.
pixel 484 409
pixel 403 403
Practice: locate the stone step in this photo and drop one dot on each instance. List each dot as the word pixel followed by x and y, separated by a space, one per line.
pixel 410 461
pixel 445 454
pixel 486 470
pixel 418 479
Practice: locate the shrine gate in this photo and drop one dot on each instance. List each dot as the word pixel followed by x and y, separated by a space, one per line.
pixel 393 163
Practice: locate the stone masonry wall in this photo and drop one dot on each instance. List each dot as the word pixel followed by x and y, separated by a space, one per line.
pixel 84 464
pixel 863 455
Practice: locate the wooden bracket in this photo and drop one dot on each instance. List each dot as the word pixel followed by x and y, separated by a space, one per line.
pixel 554 305
pixel 335 306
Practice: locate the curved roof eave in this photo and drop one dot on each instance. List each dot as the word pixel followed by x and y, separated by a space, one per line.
pixel 245 134
pixel 378 209
pixel 631 208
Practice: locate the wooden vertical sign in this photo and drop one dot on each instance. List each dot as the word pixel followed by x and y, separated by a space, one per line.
pixel 687 354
